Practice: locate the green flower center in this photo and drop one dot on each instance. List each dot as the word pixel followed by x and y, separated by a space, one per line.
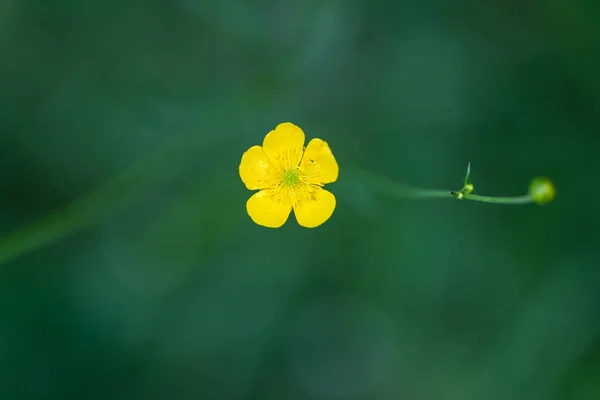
pixel 291 177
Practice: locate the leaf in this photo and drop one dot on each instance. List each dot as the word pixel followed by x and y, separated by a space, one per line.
pixel 468 176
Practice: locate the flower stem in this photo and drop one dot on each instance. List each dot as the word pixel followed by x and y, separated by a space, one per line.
pixel 391 188
pixel 524 199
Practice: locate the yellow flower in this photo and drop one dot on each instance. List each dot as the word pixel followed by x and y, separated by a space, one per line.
pixel 289 176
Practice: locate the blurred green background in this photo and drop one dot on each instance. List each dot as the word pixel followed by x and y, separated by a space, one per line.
pixel 130 269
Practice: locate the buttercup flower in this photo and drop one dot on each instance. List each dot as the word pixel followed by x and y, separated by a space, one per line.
pixel 289 176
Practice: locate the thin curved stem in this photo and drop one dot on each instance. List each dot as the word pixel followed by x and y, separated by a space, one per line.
pixel 525 199
pixel 391 188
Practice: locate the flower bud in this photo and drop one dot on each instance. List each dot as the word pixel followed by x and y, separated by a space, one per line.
pixel 468 189
pixel 541 190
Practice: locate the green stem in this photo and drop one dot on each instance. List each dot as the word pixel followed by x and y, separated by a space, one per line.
pixel 525 199
pixel 391 188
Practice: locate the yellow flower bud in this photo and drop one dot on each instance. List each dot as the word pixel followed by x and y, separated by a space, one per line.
pixel 541 190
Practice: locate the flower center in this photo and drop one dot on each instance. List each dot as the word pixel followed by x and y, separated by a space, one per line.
pixel 291 177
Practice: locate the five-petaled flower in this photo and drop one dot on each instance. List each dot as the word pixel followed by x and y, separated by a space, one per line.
pixel 289 176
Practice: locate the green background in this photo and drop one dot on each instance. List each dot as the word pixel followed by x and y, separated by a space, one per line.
pixel 129 268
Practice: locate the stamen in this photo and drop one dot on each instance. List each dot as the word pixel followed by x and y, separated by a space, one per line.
pixel 291 177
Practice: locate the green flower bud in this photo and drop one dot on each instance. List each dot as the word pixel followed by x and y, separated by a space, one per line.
pixel 468 189
pixel 541 190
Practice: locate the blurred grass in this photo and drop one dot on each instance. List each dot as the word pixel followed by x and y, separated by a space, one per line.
pixel 91 208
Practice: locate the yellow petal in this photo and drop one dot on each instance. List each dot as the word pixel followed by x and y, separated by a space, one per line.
pixel 284 146
pixel 316 210
pixel 268 209
pixel 255 169
pixel 318 164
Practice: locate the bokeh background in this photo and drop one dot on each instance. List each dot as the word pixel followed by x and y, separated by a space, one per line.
pixel 129 268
